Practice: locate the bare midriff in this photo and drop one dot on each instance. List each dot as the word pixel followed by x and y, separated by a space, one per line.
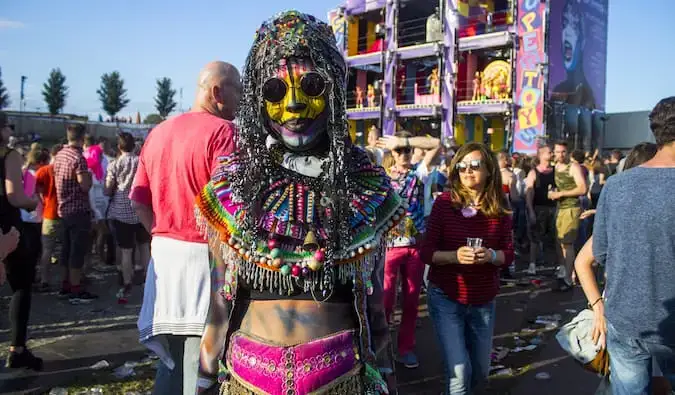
pixel 291 322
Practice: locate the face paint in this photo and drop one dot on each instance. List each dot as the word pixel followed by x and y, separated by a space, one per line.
pixel 295 103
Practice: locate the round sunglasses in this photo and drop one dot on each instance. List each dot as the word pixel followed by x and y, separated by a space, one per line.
pixel 312 84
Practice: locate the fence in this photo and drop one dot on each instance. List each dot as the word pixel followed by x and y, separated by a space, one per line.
pixel 54 128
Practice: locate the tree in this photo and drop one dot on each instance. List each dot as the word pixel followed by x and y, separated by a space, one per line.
pixel 153 119
pixel 54 91
pixel 164 102
pixel 112 94
pixel 4 96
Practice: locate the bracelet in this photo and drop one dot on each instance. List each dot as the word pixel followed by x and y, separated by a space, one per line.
pixel 590 305
pixel 493 258
pixel 407 142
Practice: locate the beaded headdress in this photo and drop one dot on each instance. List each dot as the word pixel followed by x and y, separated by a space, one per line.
pixel 293 34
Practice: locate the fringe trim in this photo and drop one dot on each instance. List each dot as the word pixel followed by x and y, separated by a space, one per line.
pixel 350 383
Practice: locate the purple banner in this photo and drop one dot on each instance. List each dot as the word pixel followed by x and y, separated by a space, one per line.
pixel 578 52
pixel 353 7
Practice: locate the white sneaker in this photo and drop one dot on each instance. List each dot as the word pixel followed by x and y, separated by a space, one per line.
pixel 532 269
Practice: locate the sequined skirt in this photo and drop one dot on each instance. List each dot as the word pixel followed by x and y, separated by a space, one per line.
pixel 326 366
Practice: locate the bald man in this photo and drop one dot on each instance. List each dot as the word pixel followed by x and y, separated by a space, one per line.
pixel 175 163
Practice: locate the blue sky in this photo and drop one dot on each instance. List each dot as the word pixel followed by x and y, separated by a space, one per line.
pixel 148 39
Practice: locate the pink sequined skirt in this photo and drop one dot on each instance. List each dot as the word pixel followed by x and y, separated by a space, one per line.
pixel 318 367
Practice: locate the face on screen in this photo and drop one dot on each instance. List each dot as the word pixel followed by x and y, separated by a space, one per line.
pixel 572 36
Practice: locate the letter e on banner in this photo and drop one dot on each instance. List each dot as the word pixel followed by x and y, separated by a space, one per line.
pixel 531 42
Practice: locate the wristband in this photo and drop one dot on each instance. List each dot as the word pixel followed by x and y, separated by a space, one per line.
pixel 493 258
pixel 590 305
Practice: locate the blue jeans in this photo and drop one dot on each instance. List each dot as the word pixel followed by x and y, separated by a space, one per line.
pixel 465 335
pixel 630 363
pixel 182 380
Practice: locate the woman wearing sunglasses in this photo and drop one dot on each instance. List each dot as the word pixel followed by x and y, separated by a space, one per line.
pixel 463 280
pixel 402 242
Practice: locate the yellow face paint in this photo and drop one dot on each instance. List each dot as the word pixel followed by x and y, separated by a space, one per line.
pixel 294 115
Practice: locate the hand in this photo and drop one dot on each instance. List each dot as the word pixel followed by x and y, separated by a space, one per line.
pixel 8 242
pixel 587 214
pixel 531 217
pixel 554 195
pixel 466 256
pixel 599 331
pixel 390 142
pixel 483 255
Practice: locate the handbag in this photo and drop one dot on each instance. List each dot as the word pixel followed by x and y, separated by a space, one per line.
pixel 575 338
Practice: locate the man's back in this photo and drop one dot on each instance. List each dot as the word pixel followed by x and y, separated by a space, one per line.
pixel 68 164
pixel 175 163
pixel 634 235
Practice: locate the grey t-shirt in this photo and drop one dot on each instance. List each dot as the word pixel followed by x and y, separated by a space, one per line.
pixel 634 236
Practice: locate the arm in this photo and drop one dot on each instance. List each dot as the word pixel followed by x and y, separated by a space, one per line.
pixel 600 228
pixel 513 188
pixel 145 214
pixel 221 144
pixel 141 196
pixel 83 175
pixel 217 323
pixel 504 255
pixel 529 191
pixel 8 243
pixel 14 183
pixel 584 268
pixel 110 181
pixel 430 144
pixel 429 251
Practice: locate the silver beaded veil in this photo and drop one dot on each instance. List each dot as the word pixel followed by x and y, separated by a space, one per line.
pixel 294 34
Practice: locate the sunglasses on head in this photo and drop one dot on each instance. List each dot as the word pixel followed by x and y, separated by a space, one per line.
pixel 312 84
pixel 474 165
pixel 403 151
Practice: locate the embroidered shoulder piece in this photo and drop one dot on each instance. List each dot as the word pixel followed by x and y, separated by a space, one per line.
pixel 292 228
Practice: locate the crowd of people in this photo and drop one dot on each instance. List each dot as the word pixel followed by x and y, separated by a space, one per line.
pixel 66 202
pixel 314 238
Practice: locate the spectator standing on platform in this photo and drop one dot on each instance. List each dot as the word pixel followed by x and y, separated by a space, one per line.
pixel 175 163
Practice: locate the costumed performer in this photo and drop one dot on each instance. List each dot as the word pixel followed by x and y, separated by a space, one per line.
pixel 295 222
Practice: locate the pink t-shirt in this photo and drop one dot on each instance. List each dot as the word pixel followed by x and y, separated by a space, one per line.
pixel 175 163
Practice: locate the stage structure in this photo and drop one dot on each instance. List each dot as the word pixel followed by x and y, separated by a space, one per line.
pixel 476 70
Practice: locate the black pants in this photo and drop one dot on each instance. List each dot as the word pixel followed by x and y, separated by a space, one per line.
pixel 75 240
pixel 20 266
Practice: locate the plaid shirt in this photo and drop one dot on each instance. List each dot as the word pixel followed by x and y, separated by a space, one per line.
pixel 72 200
pixel 120 177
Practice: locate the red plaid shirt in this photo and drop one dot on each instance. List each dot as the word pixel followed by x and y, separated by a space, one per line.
pixel 72 200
